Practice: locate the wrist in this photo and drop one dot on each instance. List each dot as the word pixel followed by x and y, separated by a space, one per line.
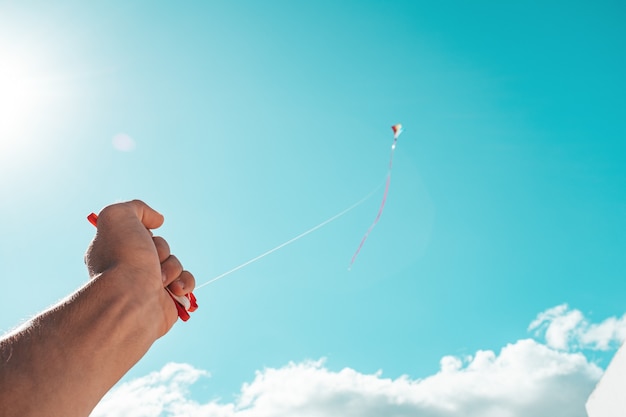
pixel 128 300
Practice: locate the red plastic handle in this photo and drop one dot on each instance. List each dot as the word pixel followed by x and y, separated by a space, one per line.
pixel 184 304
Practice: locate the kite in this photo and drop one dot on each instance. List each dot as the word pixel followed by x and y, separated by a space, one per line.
pixel 397 130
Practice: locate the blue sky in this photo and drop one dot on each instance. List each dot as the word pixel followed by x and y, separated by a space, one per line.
pixel 254 121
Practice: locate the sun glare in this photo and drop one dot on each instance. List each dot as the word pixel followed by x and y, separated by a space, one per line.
pixel 25 93
pixel 19 98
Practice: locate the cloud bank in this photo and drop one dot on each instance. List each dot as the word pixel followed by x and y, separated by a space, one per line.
pixel 525 378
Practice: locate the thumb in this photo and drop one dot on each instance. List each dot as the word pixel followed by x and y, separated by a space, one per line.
pixel 148 216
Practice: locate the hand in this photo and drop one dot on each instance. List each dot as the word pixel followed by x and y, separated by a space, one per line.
pixel 125 251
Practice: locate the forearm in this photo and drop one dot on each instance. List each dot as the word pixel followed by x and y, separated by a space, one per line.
pixel 63 361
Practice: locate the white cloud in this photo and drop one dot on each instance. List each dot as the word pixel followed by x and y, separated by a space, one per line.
pixel 559 324
pixel 605 335
pixel 526 378
pixel 159 392
pixel 568 329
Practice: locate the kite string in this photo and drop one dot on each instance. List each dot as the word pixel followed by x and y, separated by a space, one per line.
pixel 380 209
pixel 301 235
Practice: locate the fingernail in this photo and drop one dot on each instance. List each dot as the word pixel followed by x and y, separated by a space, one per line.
pixel 163 276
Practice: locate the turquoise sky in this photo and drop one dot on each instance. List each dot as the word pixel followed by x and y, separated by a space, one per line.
pixel 254 121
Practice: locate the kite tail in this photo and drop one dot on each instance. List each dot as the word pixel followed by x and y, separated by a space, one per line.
pixel 380 210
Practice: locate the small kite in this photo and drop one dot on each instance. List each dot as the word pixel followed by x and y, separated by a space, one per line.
pixel 397 130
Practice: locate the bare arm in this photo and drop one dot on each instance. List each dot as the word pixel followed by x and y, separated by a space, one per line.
pixel 62 362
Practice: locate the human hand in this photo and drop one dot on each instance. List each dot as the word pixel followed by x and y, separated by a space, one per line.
pixel 125 250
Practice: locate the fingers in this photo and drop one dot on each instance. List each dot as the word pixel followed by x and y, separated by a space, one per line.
pixel 162 247
pixel 171 268
pixel 179 281
pixel 183 284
